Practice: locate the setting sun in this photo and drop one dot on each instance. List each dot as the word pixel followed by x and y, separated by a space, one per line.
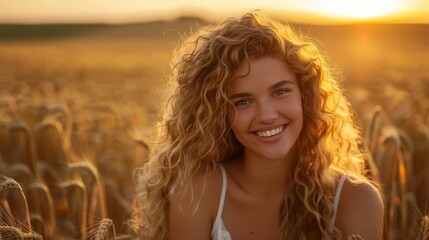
pixel 358 9
pixel 304 11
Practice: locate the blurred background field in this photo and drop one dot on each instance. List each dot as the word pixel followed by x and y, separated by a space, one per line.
pixel 80 102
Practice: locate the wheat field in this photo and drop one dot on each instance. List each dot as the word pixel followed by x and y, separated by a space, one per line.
pixel 79 105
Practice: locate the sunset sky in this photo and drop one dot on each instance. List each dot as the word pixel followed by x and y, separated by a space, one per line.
pixel 124 11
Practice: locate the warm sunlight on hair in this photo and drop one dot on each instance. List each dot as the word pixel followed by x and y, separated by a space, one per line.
pixel 359 9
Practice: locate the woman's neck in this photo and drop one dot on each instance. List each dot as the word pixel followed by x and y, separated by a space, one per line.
pixel 262 176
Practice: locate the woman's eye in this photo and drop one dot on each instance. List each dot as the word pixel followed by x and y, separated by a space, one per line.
pixel 242 102
pixel 280 92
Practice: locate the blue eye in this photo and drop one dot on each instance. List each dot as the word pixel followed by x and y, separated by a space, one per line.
pixel 280 92
pixel 242 102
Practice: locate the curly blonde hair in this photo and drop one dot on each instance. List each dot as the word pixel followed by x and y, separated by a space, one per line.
pixel 198 136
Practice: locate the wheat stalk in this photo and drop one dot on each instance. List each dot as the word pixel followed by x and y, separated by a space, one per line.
pixel 50 145
pixel 423 231
pixel 373 128
pixel 41 204
pixel 22 146
pixel 94 187
pixel 103 229
pixel 4 140
pixel 77 201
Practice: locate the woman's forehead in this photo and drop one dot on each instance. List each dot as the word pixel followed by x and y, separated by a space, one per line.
pixel 261 73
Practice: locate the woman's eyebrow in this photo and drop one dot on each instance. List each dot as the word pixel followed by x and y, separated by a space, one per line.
pixel 281 83
pixel 239 95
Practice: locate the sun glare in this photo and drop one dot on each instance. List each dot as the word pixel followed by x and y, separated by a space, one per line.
pixel 358 9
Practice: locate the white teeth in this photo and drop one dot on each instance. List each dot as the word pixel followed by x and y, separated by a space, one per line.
pixel 270 133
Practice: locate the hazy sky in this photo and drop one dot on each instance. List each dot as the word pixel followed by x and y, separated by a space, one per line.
pixel 120 11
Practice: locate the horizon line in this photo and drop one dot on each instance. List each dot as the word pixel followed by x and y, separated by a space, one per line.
pixel 294 17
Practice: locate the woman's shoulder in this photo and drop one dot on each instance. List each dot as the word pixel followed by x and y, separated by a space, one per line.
pixel 201 189
pixel 360 210
pixel 193 207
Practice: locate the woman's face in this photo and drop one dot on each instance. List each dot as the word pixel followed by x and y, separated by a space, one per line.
pixel 266 115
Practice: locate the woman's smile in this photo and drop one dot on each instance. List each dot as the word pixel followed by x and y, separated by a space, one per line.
pixel 270 133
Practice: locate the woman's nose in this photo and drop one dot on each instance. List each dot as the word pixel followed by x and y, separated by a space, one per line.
pixel 266 112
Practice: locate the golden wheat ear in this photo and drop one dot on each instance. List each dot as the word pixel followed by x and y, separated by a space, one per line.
pixel 15 220
pixel 102 230
pixel 9 232
pixel 14 203
pixel 355 237
pixel 105 230
pixel 424 229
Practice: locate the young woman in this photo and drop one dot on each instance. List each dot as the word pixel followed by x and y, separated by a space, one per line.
pixel 259 144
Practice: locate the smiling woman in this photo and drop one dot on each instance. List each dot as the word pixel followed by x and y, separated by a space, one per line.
pixel 259 143
pixel 359 9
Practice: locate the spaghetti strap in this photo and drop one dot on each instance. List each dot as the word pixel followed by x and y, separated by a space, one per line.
pixel 218 220
pixel 336 201
pixel 223 193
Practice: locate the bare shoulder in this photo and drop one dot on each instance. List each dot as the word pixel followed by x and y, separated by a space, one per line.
pixel 360 210
pixel 193 208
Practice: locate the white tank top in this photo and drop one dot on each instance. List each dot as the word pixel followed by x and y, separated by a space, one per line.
pixel 219 232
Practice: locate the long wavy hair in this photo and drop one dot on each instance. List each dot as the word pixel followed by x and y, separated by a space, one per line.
pixel 197 136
